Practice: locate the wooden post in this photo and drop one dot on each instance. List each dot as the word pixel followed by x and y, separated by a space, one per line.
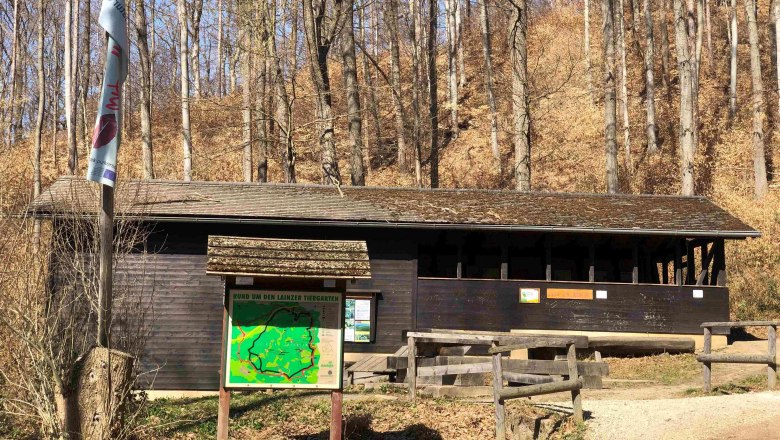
pixel 576 398
pixel 704 265
pixel 635 258
pixel 690 257
pixel 498 385
pixel 771 369
pixel 707 366
pixel 719 265
pixel 505 259
pixel 411 369
pixel 592 262
pixel 336 398
pixel 223 413
pixel 678 279
pixel 548 257
pixel 105 283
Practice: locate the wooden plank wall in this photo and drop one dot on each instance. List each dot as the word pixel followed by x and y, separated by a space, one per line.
pixel 187 303
pixel 495 305
pixel 185 318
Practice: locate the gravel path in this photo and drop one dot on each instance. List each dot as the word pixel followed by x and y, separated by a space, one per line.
pixel 743 416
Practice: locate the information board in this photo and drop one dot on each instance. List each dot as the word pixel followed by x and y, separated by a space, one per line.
pixel 357 320
pixel 281 339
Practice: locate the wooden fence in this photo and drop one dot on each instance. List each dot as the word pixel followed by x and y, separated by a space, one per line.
pixel 537 373
pixel 707 358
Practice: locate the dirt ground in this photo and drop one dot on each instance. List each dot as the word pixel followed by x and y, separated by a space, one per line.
pixel 628 409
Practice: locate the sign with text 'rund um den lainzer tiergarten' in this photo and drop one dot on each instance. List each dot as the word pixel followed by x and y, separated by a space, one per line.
pixel 280 339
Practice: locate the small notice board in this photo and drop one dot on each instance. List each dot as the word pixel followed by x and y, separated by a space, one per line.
pixel 284 339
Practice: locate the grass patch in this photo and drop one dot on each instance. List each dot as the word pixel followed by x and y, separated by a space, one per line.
pixel 306 415
pixel 747 384
pixel 668 369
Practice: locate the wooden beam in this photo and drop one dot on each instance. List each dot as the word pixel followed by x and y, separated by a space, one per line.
pixel 498 386
pixel 548 257
pixel 719 267
pixel 531 379
pixel 411 370
pixel 642 343
pixel 336 419
pixel 223 411
pixel 444 370
pixel 592 262
pixel 557 368
pixel 635 260
pixel 735 358
pixel 706 366
pixel 545 388
pixel 690 262
pixel 534 342
pixel 576 398
pixel 741 324
pixel 678 279
pixel 771 368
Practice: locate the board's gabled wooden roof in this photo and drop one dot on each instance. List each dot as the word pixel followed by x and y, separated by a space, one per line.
pixel 273 257
pixel 229 202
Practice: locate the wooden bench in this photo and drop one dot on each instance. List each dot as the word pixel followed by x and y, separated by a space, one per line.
pixel 707 358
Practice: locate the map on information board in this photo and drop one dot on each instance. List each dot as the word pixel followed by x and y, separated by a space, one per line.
pixel 279 339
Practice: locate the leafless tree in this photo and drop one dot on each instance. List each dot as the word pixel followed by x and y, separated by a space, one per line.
pixel 686 72
pixel 433 95
pixel 185 89
pixel 146 89
pixel 521 113
pixel 391 22
pixel 610 107
pixel 487 51
pixel 650 127
pixel 759 112
pixel 354 111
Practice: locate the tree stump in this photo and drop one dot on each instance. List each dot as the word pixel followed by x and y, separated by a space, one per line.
pixel 103 383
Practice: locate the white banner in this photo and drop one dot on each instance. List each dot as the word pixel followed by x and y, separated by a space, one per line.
pixel 105 138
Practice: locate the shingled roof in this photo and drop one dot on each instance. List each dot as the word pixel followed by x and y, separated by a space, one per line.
pixel 228 202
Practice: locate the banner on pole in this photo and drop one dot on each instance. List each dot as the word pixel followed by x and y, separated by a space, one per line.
pixel 106 136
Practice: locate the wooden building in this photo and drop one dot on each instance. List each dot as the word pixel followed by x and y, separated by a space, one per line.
pixel 462 259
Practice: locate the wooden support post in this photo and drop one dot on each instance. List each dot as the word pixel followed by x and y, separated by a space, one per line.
pixel 664 270
pixel 576 398
pixel 771 369
pixel 505 259
pixel 707 366
pixel 704 266
pixel 223 413
pixel 411 369
pixel 635 259
pixel 678 278
pixel 105 283
pixel 690 276
pixel 592 262
pixel 719 266
pixel 548 257
pixel 498 386
pixel 459 269
pixel 336 398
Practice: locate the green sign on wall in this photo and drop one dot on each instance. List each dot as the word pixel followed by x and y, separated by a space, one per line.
pixel 280 339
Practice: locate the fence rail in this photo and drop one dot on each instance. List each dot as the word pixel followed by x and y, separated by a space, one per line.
pixel 770 358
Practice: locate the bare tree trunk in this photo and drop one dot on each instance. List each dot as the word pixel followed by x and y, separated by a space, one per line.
pixel 11 119
pixel 491 98
pixel 414 14
pixel 40 114
pixel 759 113
pixel 391 21
pixel 588 64
pixel 452 73
pixel 610 104
pixel 245 42
pixel 697 36
pixel 57 74
pixel 354 112
pixel 369 80
pixel 459 34
pixel 262 120
pixel 664 27
pixel 708 24
pixel 652 146
pixel 733 40
pixel 685 71
pixel 220 52
pixel 433 99
pixel 86 71
pixel 621 48
pixel 185 90
pixel 195 10
pixel 70 123
pixel 320 33
pixel 521 114
pixel 776 9
pixel 146 90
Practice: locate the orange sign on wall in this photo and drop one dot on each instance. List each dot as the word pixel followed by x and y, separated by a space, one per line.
pixel 586 294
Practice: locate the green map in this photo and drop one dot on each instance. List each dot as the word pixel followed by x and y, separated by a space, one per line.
pixel 284 340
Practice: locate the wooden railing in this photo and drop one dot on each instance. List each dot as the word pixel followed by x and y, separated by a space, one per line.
pixel 707 358
pixel 537 373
